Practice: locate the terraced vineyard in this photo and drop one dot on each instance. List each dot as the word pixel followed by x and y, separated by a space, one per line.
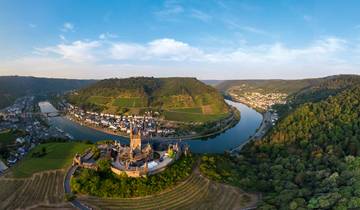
pixel 196 192
pixel 44 188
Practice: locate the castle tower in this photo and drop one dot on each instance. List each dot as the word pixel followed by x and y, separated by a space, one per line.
pixel 135 139
pixel 146 167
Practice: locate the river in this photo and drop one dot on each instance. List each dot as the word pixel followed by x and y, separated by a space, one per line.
pixel 249 122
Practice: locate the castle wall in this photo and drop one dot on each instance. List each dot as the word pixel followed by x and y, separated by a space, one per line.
pixel 129 173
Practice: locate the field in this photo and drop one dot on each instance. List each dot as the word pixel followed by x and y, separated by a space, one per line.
pixel 58 156
pixel 192 117
pixel 196 192
pixel 197 110
pixel 44 188
pixel 129 102
pixel 42 179
pixel 99 100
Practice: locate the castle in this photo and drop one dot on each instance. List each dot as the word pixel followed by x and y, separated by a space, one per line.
pixel 135 160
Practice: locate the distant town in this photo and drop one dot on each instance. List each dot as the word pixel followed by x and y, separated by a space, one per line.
pixel 257 100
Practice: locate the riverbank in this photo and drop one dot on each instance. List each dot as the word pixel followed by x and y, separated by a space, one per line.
pixel 261 131
pixel 225 140
pixel 231 121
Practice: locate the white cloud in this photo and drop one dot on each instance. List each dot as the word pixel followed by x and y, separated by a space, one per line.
pixel 170 57
pixel 172 49
pixel 254 30
pixel 67 27
pixel 123 51
pixel 78 51
pixel 170 8
pixel 236 26
pixel 197 14
pixel 108 35
pixel 62 37
pixel 161 49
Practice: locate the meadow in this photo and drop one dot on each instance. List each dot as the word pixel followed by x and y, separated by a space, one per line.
pixel 129 102
pixel 58 156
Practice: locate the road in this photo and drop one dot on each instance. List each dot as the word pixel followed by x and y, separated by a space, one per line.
pixel 264 127
pixel 67 187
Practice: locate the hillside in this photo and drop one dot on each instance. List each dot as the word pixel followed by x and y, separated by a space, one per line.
pixel 289 87
pixel 177 98
pixel 262 94
pixel 12 87
pixel 311 158
pixel 272 85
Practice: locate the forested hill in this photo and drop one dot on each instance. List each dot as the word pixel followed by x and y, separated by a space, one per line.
pixel 290 87
pixel 12 87
pixel 175 94
pixel 271 85
pixel 311 159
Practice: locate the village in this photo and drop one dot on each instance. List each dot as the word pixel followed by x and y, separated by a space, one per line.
pixel 260 101
pixel 27 127
pixel 149 124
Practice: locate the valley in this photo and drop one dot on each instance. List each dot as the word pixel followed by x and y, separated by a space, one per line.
pixel 312 129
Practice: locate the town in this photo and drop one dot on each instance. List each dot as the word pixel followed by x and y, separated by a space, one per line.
pixel 257 100
pixel 24 127
pixel 149 123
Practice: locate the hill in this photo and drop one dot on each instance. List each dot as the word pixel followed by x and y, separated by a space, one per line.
pixel 311 158
pixel 262 94
pixel 271 85
pixel 289 87
pixel 212 82
pixel 13 87
pixel 183 99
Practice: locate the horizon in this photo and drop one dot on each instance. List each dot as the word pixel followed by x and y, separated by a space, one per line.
pixel 212 40
pixel 305 78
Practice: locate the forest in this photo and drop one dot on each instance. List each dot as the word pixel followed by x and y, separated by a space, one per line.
pixel 104 183
pixel 309 160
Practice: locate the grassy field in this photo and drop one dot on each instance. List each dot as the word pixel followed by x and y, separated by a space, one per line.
pixel 192 117
pixel 58 156
pixel 99 100
pixel 129 102
pixel 44 188
pixel 196 192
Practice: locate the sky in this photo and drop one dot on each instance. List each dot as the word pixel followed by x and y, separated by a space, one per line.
pixel 207 39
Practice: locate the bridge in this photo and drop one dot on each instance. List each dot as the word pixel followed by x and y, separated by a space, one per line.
pixel 46 114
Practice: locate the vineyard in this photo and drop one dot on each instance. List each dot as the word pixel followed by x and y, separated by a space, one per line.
pixel 44 189
pixel 196 192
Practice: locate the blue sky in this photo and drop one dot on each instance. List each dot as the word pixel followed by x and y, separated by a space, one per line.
pixel 206 39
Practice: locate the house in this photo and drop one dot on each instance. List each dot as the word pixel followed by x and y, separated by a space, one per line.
pixel 20 140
